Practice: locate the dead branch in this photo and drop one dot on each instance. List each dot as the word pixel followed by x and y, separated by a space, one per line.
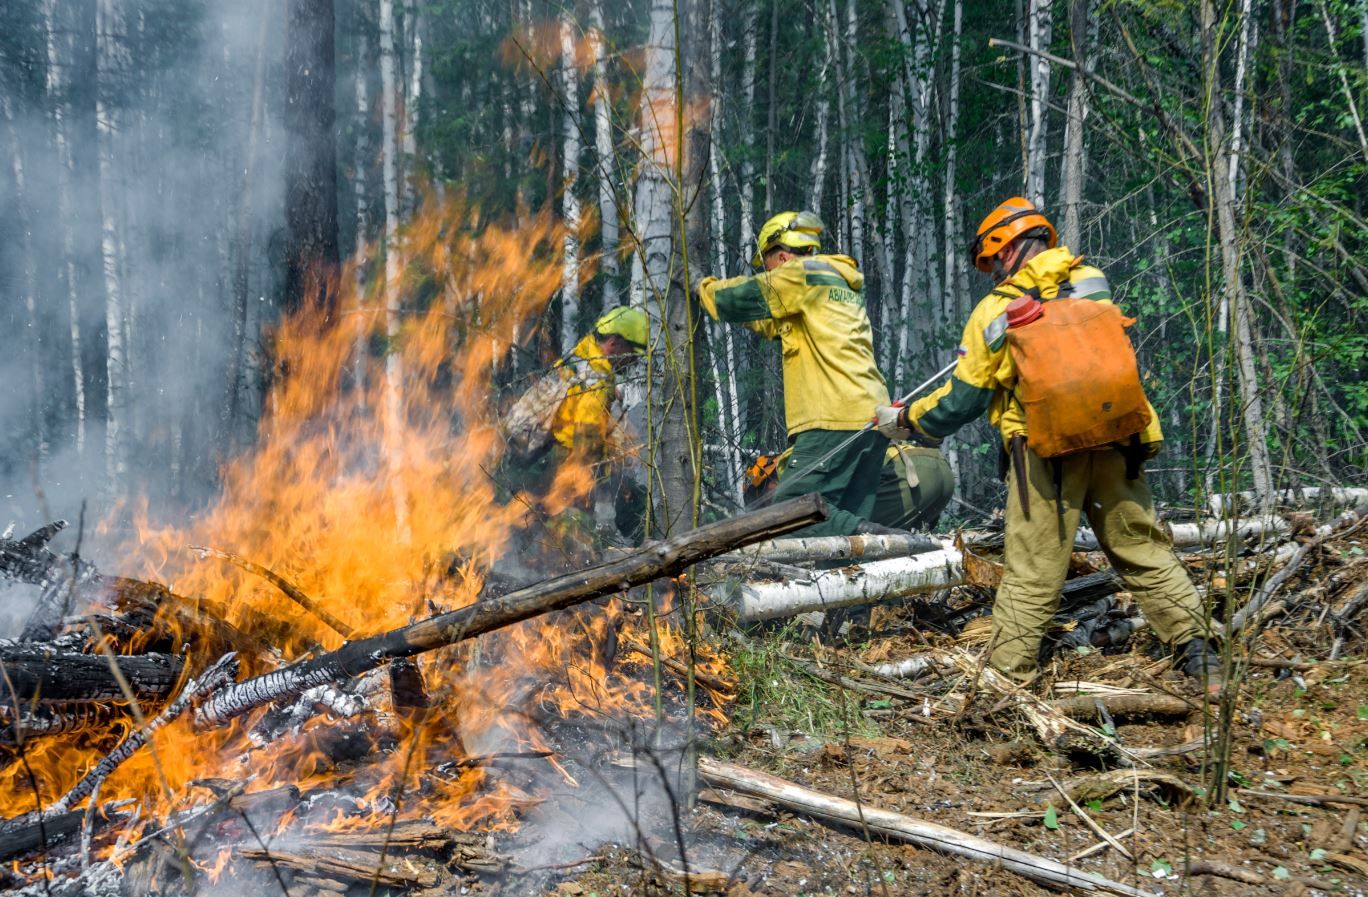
pixel 287 588
pixel 1224 870
pixel 652 561
pixel 43 672
pixel 889 824
pixel 1085 707
pixel 837 548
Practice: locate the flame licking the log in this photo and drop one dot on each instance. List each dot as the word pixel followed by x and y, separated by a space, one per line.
pixel 370 493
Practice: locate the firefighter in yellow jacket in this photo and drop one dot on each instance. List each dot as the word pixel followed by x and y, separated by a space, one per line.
pixel 570 412
pixel 814 305
pixel 1046 497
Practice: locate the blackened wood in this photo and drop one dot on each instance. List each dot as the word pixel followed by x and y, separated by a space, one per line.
pixel 28 834
pixel 649 563
pixel 40 672
pixel 56 720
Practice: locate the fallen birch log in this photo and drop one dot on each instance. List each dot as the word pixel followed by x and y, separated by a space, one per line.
pixel 838 548
pixel 848 586
pixel 1085 707
pixel 1204 533
pixel 1289 498
pixel 647 564
pixel 901 827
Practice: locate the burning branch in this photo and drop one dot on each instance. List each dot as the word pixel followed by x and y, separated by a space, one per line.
pixel 647 564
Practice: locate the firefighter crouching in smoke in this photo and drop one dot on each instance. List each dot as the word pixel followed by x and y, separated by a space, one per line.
pixel 915 485
pixel 814 306
pixel 569 415
pixel 1045 353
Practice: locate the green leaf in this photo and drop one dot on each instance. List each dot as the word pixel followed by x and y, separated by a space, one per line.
pixel 1161 868
pixel 1095 805
pixel 1051 818
pixel 1363 711
pixel 1318 854
pixel 1235 806
pixel 1237 825
pixel 880 705
pixel 1281 873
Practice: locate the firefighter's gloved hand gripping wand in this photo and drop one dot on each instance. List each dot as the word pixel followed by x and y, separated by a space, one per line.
pixel 930 381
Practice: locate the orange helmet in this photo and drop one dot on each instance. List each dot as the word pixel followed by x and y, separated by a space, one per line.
pixel 1004 224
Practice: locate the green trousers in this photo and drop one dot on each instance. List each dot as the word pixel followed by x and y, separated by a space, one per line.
pixel 848 480
pixel 1040 539
pixel 916 501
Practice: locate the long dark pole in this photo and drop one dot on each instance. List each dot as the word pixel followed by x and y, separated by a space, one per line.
pixel 646 564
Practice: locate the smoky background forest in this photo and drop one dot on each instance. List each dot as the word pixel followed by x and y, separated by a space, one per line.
pixel 180 175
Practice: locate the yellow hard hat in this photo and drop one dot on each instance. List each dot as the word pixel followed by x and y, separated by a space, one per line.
pixel 794 230
pixel 627 322
pixel 1004 224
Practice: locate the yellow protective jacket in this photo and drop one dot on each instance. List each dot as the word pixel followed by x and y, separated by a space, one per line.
pixel 584 419
pixel 985 377
pixel 815 307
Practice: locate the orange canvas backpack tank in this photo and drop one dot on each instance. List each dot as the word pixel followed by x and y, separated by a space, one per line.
pixel 1077 377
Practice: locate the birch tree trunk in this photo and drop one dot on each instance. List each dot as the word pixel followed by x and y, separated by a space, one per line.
pixel 412 96
pixel 658 211
pixel 1075 163
pixel 570 207
pixel 1038 22
pixel 57 100
pixel 394 371
pixel 747 185
pixel 108 65
pixel 1232 265
pixel 607 160
pixel 29 286
pixel 720 335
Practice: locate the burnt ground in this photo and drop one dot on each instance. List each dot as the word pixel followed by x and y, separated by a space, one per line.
pixel 981 769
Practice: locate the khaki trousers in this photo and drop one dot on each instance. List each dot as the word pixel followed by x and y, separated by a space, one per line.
pixel 1039 543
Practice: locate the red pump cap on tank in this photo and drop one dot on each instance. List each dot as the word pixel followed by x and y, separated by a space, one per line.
pixel 1023 310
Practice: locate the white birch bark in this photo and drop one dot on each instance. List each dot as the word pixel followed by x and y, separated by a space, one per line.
pixel 1232 266
pixel 950 214
pixel 720 335
pixel 817 177
pixel 1038 24
pixel 570 206
pixel 56 91
pixel 29 287
pixel 1074 167
pixel 747 191
pixel 108 66
pixel 607 159
pixel 412 96
pixel 394 372
pixel 1349 101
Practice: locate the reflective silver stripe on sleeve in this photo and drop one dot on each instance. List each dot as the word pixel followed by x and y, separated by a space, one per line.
pixel 1094 286
pixel 995 331
pixel 819 265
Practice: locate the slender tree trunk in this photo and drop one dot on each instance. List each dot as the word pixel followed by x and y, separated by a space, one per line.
pixel 772 107
pixel 311 250
pixel 1038 22
pixel 950 309
pixel 570 205
pixel 360 165
pixel 413 20
pixel 607 160
pixel 747 185
pixel 237 349
pixel 658 209
pixel 57 99
pixel 108 36
pixel 29 286
pixel 394 371
pixel 817 177
pixel 1349 101
pixel 1232 264
pixel 1075 162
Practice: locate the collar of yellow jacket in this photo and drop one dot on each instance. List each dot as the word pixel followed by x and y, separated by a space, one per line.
pixel 590 352
pixel 1045 271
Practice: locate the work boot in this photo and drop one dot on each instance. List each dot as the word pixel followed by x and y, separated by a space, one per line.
pixel 1199 661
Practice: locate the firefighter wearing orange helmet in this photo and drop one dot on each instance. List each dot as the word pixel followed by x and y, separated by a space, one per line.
pixel 1045 354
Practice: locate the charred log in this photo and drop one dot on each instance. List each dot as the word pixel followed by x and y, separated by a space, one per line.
pixel 39 672
pixel 652 561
